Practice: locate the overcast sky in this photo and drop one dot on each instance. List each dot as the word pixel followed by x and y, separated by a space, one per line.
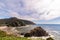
pixel 38 11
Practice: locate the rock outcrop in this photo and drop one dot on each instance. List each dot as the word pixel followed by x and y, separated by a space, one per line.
pixel 36 32
pixel 12 26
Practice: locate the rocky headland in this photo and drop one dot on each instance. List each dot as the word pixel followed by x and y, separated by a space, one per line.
pixel 19 27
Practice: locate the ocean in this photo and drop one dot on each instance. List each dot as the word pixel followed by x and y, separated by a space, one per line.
pixel 53 29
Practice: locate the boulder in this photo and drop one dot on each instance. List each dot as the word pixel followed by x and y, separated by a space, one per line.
pixel 37 32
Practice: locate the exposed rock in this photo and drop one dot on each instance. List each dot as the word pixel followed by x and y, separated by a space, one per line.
pixel 37 32
pixel 27 32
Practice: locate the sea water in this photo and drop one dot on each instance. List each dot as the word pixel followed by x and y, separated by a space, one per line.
pixel 53 29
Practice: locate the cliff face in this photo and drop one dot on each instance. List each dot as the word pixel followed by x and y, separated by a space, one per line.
pixel 14 22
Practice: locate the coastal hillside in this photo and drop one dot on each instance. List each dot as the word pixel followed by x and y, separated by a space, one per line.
pixel 13 21
pixel 20 29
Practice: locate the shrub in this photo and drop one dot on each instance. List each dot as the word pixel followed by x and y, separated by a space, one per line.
pixel 27 35
pixel 2 33
pixel 49 38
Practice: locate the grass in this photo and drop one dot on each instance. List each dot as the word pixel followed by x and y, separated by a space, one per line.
pixel 17 38
pixel 20 38
pixel 13 38
pixel 4 36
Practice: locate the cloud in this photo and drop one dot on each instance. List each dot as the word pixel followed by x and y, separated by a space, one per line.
pixel 14 14
pixel 1 5
pixel 31 9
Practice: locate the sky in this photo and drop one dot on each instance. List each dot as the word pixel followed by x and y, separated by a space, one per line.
pixel 38 11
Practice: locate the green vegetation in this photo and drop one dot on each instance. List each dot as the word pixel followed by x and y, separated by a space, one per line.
pixel 49 38
pixel 19 38
pixel 2 33
pixel 13 38
pixel 14 22
pixel 4 36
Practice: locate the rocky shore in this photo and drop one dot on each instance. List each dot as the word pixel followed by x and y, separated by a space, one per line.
pixel 22 28
pixel 29 31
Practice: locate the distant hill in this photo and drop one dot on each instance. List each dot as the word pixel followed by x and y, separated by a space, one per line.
pixel 13 21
